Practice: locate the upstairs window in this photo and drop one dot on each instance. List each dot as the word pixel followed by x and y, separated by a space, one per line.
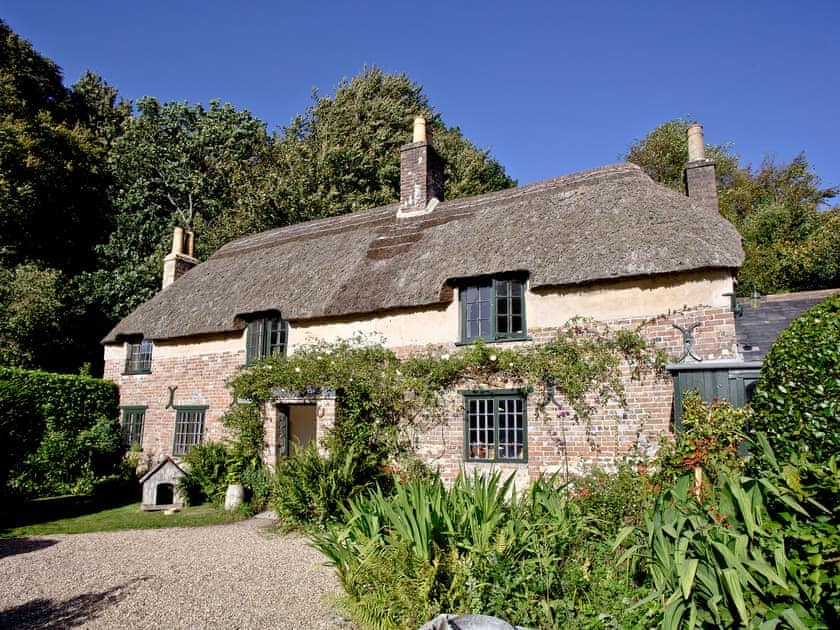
pixel 132 425
pixel 266 337
pixel 493 309
pixel 138 357
pixel 496 426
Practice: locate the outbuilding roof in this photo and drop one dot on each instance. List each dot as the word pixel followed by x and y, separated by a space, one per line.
pixel 608 223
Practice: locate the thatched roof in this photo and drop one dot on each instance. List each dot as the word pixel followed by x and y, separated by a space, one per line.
pixel 608 223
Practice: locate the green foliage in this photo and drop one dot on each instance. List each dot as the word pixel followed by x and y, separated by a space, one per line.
pixel 206 465
pixel 65 436
pixel 246 428
pixel 709 437
pixel 535 559
pixel 797 398
pixel 753 552
pixel 310 489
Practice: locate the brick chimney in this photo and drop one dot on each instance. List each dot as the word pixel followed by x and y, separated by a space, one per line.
pixel 180 260
pixel 421 174
pixel 700 181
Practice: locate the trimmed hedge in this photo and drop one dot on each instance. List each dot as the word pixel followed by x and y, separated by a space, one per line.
pixel 61 432
pixel 797 397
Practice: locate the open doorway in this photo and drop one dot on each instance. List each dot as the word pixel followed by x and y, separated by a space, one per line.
pixel 295 427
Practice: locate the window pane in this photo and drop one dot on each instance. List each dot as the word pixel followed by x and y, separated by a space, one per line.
pixel 278 335
pixel 484 293
pixel 511 428
pixel 515 288
pixel 473 311
pixel 502 288
pixel 480 428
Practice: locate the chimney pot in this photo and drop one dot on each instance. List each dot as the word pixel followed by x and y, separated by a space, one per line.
pixel 696 147
pixel 419 134
pixel 178 240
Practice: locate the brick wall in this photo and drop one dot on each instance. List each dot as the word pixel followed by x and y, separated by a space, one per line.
pixel 200 381
pixel 557 440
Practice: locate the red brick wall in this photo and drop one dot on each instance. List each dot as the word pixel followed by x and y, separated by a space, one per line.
pixel 558 440
pixel 200 381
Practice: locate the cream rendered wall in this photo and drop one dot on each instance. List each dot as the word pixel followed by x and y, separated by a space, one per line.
pixel 629 299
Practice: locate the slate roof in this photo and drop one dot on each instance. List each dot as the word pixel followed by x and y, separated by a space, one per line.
pixel 608 223
pixel 757 329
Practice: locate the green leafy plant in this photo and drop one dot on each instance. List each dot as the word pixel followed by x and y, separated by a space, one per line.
pixel 62 432
pixel 206 466
pixel 797 398
pixel 709 439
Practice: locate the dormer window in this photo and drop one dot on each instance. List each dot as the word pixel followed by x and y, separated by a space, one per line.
pixel 138 356
pixel 265 337
pixel 493 310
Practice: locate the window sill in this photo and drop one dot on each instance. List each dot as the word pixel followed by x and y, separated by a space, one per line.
pixel 500 340
pixel 135 372
pixel 495 461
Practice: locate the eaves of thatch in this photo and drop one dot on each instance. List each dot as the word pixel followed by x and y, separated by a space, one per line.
pixel 608 223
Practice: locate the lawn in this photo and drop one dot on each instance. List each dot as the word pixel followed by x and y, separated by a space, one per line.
pixel 80 515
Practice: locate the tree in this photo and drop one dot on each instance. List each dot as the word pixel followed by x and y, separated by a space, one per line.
pixel 342 153
pixel 52 184
pixel 790 241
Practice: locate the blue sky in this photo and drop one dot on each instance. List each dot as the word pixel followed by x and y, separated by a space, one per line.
pixel 549 87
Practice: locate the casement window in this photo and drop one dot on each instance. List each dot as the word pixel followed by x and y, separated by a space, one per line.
pixel 138 356
pixel 495 425
pixel 189 429
pixel 266 337
pixel 132 425
pixel 492 310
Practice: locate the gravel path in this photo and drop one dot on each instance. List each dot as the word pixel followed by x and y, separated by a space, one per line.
pixel 226 576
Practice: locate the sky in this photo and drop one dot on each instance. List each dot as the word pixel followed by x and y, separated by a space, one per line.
pixel 548 87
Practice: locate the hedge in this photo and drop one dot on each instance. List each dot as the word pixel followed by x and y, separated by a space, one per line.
pixel 61 432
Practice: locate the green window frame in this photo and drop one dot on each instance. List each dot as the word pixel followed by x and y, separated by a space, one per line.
pixel 493 309
pixel 138 356
pixel 495 426
pixel 266 337
pixel 189 429
pixel 133 419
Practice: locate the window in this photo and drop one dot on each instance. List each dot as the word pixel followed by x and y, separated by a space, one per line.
pixel 189 429
pixel 138 357
pixel 132 425
pixel 492 310
pixel 266 337
pixel 496 425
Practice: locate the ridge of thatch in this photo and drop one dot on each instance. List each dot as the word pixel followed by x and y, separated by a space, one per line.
pixel 607 223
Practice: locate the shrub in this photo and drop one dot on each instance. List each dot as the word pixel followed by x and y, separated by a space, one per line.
pixel 64 432
pixel 207 473
pixel 310 489
pixel 711 436
pixel 536 560
pixel 797 398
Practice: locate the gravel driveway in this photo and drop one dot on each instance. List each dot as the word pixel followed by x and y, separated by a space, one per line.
pixel 224 576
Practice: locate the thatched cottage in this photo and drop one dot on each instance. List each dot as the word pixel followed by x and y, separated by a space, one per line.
pixel 510 266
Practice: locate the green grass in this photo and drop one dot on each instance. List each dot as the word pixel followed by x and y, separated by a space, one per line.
pixel 81 515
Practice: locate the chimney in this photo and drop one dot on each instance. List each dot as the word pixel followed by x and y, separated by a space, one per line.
pixel 180 260
pixel 421 174
pixel 700 180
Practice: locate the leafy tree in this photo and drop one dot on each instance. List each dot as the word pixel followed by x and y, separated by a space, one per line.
pixel 342 154
pixel 790 241
pixel 52 185
pixel 173 164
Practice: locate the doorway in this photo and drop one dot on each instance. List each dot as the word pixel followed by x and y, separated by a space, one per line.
pixel 296 427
